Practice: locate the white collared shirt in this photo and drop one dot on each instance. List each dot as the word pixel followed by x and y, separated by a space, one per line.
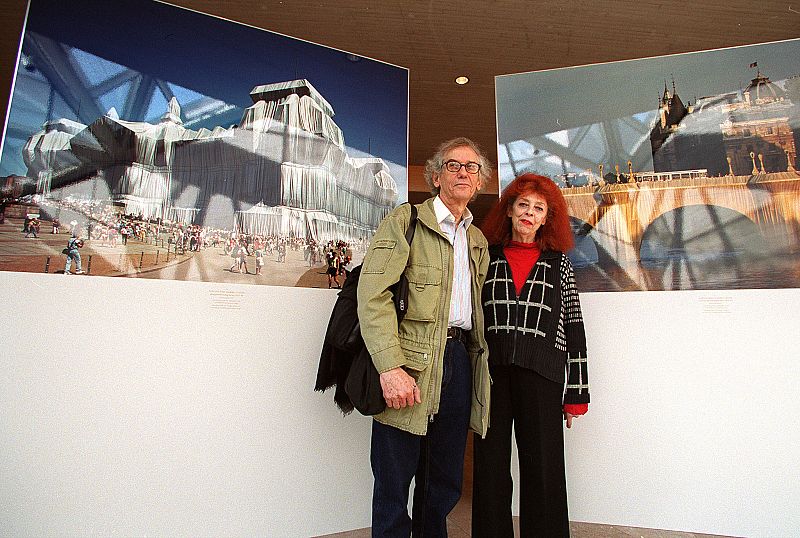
pixel 461 297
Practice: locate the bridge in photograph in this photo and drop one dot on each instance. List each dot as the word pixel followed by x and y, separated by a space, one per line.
pixel 619 217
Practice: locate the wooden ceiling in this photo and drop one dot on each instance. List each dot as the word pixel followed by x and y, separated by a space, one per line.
pixel 439 41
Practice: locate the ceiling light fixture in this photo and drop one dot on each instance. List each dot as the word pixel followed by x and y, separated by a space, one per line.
pixel 462 80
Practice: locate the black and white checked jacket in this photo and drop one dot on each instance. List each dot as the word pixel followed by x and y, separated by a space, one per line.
pixel 542 329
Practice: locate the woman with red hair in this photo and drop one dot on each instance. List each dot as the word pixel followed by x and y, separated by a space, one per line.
pixel 534 330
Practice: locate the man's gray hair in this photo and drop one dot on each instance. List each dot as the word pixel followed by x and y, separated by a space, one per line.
pixel 435 163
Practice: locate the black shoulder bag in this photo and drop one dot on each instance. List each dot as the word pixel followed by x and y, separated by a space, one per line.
pixel 345 361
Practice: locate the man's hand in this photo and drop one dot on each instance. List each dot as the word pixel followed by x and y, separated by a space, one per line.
pixel 399 388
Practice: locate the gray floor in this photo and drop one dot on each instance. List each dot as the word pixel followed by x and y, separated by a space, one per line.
pixel 459 521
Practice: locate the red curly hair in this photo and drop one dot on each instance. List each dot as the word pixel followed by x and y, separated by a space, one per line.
pixel 554 234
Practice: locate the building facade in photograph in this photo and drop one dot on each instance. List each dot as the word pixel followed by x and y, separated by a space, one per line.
pixel 735 133
pixel 282 170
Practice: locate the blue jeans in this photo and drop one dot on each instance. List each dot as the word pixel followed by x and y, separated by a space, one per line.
pixel 77 256
pixel 435 460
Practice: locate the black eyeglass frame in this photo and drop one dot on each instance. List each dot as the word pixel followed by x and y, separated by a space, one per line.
pixel 466 166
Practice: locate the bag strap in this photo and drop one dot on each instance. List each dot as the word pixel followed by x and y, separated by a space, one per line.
pixel 400 291
pixel 412 225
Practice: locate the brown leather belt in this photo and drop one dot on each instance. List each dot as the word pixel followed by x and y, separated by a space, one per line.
pixel 457 333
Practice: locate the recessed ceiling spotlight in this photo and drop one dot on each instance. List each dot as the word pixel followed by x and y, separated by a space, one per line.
pixel 462 80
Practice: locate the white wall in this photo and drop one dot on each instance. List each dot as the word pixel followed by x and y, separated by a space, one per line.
pixel 139 407
pixel 693 423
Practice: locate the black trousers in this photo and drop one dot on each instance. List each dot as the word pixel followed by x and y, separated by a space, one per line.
pixel 533 405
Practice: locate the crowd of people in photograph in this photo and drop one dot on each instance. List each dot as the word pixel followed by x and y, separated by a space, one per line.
pixel 31 226
pixel 335 255
pixel 106 226
pixel 337 258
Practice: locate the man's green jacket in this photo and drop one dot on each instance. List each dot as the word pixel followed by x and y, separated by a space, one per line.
pixel 418 343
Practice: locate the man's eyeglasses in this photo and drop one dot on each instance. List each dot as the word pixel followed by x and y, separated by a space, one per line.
pixel 454 166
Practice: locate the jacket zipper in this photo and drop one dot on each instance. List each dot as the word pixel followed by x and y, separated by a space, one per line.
pixel 433 357
pixel 516 312
pixel 516 302
pixel 444 300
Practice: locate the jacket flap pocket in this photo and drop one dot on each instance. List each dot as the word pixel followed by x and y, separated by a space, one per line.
pixel 416 354
pixel 380 252
pixel 425 286
pixel 423 275
pixel 384 243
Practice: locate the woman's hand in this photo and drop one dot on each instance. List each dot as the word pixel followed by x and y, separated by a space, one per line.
pixel 399 388
pixel 568 417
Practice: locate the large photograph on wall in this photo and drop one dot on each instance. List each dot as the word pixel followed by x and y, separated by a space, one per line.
pixel 152 141
pixel 680 172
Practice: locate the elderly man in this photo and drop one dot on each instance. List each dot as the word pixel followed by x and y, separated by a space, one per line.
pixel 433 367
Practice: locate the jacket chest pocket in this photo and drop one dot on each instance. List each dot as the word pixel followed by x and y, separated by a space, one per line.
pixel 424 292
pixel 378 256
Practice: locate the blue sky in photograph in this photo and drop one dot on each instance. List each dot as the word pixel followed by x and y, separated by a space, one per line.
pixel 199 55
pixel 541 102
